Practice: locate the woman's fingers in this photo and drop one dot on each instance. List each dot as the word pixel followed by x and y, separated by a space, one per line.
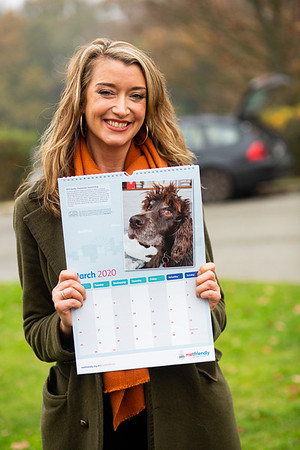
pixel 207 285
pixel 68 294
pixel 69 287
pixel 67 275
pixel 206 267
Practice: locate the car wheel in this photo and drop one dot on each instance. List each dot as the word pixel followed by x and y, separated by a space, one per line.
pixel 217 185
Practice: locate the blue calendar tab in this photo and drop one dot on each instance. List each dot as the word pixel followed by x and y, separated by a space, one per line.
pixel 119 282
pixel 156 278
pixel 101 284
pixel 138 280
pixel 175 276
pixel 191 274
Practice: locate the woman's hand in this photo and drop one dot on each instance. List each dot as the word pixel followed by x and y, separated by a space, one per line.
pixel 207 286
pixel 67 294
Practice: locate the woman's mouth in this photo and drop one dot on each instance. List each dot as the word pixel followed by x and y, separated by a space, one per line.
pixel 117 124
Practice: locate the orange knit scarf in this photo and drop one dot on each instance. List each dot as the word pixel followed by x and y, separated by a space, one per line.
pixel 126 387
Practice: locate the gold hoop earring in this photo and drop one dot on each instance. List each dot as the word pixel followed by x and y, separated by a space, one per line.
pixel 81 126
pixel 147 135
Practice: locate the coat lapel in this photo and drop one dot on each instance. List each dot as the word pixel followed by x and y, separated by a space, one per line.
pixel 47 231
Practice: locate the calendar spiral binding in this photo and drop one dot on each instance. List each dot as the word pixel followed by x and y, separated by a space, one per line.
pixel 163 169
pixel 121 174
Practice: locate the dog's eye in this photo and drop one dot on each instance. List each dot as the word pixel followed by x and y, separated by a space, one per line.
pixel 167 212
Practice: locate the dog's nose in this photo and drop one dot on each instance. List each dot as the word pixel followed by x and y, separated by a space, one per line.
pixel 136 221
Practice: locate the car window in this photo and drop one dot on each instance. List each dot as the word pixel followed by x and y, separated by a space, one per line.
pixel 257 101
pixel 193 136
pixel 219 134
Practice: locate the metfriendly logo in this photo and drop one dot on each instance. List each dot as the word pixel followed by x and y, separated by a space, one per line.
pixel 193 354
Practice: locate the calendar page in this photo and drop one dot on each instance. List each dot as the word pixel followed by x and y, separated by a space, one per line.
pixel 136 243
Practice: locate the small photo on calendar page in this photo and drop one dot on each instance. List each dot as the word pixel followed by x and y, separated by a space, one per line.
pixel 158 224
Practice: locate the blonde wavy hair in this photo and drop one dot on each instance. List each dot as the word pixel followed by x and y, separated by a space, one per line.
pixel 58 143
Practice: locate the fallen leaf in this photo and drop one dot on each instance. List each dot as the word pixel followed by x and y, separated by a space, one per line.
pixel 230 368
pixel 267 349
pixel 263 301
pixel 278 377
pixel 269 289
pixel 296 310
pixel 296 379
pixel 280 326
pixel 5 433
pixel 273 340
pixel 20 445
pixel 294 390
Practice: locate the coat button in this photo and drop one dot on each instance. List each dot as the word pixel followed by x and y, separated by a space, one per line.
pixel 84 423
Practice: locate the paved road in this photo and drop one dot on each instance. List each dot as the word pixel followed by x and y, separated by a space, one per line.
pixel 257 238
pixel 8 264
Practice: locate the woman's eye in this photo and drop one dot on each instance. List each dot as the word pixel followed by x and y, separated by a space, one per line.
pixel 106 93
pixel 138 97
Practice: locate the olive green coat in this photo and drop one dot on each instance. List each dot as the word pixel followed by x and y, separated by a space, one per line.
pixel 188 406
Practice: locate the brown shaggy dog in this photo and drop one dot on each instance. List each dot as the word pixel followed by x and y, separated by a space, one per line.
pixel 166 225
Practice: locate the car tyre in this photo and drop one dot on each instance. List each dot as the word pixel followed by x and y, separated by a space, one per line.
pixel 217 185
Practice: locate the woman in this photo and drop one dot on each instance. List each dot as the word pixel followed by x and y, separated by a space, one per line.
pixel 114 115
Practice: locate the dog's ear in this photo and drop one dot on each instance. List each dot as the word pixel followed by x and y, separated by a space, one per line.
pixel 183 240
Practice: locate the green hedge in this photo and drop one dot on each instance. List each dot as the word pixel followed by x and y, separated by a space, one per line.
pixel 16 147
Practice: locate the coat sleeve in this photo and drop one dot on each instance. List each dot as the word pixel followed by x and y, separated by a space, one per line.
pixel 218 315
pixel 40 320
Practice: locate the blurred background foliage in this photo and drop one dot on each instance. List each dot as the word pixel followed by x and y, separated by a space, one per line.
pixel 208 49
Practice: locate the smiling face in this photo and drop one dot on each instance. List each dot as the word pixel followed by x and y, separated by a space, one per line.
pixel 115 107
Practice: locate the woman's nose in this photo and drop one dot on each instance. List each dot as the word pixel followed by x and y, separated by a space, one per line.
pixel 120 108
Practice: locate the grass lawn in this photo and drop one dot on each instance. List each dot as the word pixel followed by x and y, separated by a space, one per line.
pixel 261 363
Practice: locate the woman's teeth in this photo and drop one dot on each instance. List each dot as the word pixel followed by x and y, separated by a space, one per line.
pixel 117 124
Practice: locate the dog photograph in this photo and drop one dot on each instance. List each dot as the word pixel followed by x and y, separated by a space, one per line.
pixel 158 224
